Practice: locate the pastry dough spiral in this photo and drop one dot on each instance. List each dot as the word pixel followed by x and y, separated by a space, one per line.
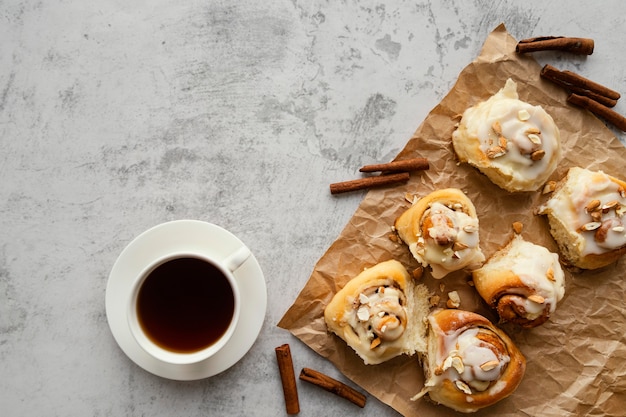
pixel 380 312
pixel 587 217
pixel 515 144
pixel 470 364
pixel 522 281
pixel 441 230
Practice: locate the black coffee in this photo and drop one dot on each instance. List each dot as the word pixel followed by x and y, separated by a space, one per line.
pixel 185 305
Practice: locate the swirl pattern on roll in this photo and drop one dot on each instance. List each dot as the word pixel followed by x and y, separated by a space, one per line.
pixel 442 231
pixel 471 364
pixel 379 313
pixel 522 281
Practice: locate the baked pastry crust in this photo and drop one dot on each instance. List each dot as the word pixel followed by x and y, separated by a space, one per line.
pixel 380 313
pixel 441 231
pixel 522 281
pixel 587 218
pixel 515 144
pixel 471 364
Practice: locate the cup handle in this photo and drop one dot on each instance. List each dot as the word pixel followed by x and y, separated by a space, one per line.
pixel 237 258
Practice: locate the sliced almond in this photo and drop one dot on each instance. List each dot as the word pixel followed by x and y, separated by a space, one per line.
pixel 502 142
pixel 462 386
pixel 457 364
pixel 587 227
pixel 609 206
pixel 363 313
pixel 375 343
pixel 596 215
pixel 550 274
pixel 536 298
pixel 618 229
pixel 459 246
pixel 489 365
pixel 549 187
pixel 533 131
pixel 495 152
pixel 523 115
pixel 393 237
pixel 592 205
pixel 518 227
pixel 534 138
pixel 538 155
pixel 470 228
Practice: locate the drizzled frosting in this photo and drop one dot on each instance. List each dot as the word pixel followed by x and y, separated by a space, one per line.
pixel 471 364
pixel 593 206
pixel 447 240
pixel 516 144
pixel 523 281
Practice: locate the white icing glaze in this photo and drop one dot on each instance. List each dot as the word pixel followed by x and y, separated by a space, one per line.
pixel 571 208
pixel 379 313
pixel 462 356
pixel 531 263
pixel 525 127
pixel 448 226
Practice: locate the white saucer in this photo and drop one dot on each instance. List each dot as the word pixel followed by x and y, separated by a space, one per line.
pixel 195 236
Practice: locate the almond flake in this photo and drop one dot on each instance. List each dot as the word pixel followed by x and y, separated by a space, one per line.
pixel 549 187
pixel 550 274
pixel 534 139
pixel 363 299
pixel 518 227
pixel 538 155
pixel 489 365
pixel 457 364
pixel 375 343
pixel 590 226
pixel 363 313
pixel 536 298
pixel 470 228
pixel 618 229
pixel 610 205
pixel 533 131
pixel 592 205
pixel 459 246
pixel 523 115
pixel 495 152
pixel 463 387
pixel 502 142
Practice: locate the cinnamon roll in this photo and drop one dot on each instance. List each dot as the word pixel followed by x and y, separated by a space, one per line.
pixel 515 144
pixel 380 313
pixel 586 214
pixel 441 231
pixel 522 281
pixel 471 364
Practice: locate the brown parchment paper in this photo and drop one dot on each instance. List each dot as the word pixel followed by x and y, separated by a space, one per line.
pixel 576 362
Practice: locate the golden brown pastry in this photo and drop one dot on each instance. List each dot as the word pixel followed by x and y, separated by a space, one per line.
pixel 522 281
pixel 471 364
pixel 441 231
pixel 380 313
pixel 587 219
pixel 515 144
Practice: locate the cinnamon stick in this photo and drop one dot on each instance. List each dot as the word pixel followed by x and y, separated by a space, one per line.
pixel 368 182
pixel 582 46
pixel 288 379
pixel 415 164
pixel 332 385
pixel 580 85
pixel 598 109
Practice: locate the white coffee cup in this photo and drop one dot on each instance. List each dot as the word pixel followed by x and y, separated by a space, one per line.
pixel 185 298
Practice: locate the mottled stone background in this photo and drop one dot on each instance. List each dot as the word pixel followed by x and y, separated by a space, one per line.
pixel 116 116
